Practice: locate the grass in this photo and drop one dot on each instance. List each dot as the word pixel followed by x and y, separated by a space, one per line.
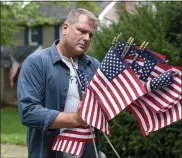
pixel 12 131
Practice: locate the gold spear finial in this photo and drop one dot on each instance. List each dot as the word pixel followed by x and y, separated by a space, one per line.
pixel 118 39
pixel 142 45
pixel 114 41
pixel 145 46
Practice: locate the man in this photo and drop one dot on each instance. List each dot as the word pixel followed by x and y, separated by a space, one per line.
pixel 48 92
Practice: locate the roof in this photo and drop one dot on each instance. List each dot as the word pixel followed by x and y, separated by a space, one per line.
pixel 54 11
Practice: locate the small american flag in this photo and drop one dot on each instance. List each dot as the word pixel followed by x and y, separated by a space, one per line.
pixel 115 85
pixel 150 121
pixel 162 98
pixel 14 68
pixel 72 140
pixel 92 113
pixel 162 80
pixel 83 79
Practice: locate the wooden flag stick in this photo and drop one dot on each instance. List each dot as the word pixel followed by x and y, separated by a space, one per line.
pixel 114 41
pixel 117 39
pixel 111 145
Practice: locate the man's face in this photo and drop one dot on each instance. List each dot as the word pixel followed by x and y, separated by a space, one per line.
pixel 78 35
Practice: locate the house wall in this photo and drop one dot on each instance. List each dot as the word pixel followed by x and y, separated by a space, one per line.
pixel 19 37
pixel 48 36
pixel 130 6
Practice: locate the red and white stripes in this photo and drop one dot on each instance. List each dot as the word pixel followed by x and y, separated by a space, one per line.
pixel 72 140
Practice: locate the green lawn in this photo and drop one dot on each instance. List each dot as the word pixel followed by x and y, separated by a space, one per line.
pixel 12 131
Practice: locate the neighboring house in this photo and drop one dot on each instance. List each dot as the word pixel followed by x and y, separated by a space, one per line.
pixel 30 39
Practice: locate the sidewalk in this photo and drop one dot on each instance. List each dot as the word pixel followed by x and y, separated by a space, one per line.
pixel 13 151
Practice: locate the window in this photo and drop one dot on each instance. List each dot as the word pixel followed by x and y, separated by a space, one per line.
pixel 33 36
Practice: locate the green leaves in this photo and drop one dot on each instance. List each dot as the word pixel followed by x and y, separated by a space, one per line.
pixel 146 24
pixel 14 15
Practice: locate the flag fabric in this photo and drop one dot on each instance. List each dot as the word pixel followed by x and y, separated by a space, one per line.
pixel 115 84
pixel 147 70
pixel 161 106
pixel 150 121
pixel 164 97
pixel 83 79
pixel 72 140
pixel 162 80
pixel 14 67
pixel 92 113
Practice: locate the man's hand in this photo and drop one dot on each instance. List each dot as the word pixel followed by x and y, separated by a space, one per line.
pixel 68 120
pixel 77 117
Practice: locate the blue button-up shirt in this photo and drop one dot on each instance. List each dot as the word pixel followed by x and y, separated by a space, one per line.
pixel 42 89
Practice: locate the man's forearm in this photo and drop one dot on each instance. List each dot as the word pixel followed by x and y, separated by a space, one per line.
pixel 66 120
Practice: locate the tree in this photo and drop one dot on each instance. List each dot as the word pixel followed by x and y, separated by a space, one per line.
pixel 146 25
pixel 158 23
pixel 11 14
pixel 14 14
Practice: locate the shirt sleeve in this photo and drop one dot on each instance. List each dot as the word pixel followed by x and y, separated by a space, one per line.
pixel 30 91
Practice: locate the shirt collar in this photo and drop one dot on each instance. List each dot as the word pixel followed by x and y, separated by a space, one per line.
pixel 55 56
pixel 54 53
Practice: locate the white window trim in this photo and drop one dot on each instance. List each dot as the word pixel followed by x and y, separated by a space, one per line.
pixel 30 39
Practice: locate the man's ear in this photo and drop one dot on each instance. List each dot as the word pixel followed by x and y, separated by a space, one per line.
pixel 65 28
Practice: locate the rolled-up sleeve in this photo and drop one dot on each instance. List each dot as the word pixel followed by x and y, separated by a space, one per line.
pixel 30 91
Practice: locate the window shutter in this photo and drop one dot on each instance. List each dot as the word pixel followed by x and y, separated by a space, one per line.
pixel 26 35
pixel 40 35
pixel 56 32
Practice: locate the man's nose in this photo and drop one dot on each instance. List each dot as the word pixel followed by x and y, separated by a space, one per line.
pixel 87 37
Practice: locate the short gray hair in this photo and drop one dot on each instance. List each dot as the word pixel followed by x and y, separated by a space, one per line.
pixel 75 13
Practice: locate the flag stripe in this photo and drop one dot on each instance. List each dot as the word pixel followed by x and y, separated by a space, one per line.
pixel 156 120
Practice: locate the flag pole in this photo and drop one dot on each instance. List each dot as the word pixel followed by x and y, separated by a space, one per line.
pixel 73 65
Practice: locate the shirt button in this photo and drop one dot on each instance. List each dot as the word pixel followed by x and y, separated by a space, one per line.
pixel 65 89
pixel 67 73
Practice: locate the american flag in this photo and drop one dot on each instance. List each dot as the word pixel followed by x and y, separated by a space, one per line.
pixel 162 80
pixel 14 67
pixel 164 97
pixel 72 140
pixel 115 85
pixel 161 106
pixel 83 79
pixel 150 121
pixel 92 113
pixel 161 98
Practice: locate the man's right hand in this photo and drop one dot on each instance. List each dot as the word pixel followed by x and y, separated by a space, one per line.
pixel 68 120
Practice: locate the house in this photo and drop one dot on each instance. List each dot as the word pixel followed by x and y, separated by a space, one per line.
pixel 31 39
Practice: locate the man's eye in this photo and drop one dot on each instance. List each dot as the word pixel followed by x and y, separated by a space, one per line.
pixel 82 31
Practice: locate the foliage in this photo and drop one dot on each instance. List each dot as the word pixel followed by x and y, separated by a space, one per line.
pixel 129 142
pixel 16 14
pixel 162 30
pixel 12 131
pixel 11 13
pixel 91 6
pixel 146 25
